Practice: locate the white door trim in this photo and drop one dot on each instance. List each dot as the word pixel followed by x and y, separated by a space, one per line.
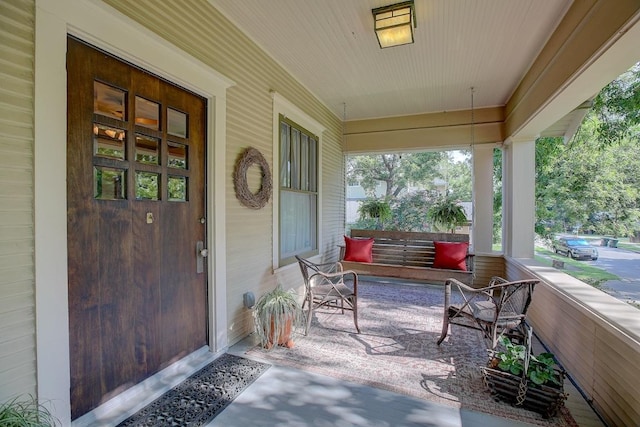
pixel 107 29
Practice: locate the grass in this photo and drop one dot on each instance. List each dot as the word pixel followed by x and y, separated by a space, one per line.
pixel 581 270
pixel 25 413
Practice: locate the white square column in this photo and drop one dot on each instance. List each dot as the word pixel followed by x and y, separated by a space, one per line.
pixel 518 197
pixel 482 235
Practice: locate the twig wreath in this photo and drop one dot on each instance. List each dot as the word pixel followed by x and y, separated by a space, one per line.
pixel 248 158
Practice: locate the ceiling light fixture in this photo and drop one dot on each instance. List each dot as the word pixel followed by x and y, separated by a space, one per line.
pixel 394 24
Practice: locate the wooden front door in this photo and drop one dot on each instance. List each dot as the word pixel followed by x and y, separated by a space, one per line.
pixel 136 223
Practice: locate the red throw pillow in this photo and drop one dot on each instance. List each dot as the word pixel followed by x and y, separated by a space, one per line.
pixel 451 255
pixel 359 250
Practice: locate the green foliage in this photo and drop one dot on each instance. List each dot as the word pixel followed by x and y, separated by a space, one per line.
pixel 410 211
pixel 541 367
pixel 395 170
pixel 446 214
pixel 376 209
pixel 512 358
pixel 587 185
pixel 272 312
pixel 617 108
pixel 21 412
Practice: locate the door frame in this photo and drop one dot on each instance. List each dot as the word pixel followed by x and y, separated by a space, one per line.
pixel 106 28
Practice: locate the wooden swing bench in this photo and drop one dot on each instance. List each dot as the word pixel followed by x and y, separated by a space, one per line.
pixel 409 255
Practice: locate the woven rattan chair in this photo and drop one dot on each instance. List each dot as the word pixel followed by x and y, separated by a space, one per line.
pixel 500 308
pixel 325 286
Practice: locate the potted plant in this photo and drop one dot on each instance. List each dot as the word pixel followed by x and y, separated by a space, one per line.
pixel 26 413
pixel 276 314
pixel 378 209
pixel 446 214
pixel 516 376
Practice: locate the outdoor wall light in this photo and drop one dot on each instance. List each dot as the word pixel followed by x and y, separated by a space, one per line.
pixel 394 24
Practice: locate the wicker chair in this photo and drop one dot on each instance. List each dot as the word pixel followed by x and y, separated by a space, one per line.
pixel 325 286
pixel 500 308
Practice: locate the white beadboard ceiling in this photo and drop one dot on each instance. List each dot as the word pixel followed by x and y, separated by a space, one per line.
pixel 330 47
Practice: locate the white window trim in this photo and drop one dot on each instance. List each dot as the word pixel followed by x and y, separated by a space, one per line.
pixel 283 106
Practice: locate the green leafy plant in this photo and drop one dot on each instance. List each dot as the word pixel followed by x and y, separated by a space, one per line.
pixel 446 214
pixel 25 412
pixel 378 209
pixel 542 369
pixel 276 314
pixel 511 359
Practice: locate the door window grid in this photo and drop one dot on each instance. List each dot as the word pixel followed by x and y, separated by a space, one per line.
pixel 110 142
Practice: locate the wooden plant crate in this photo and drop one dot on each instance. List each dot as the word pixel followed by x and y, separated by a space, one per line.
pixel 544 399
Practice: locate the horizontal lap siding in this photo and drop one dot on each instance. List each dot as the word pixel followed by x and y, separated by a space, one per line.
pixel 598 354
pixel 485 267
pixel 200 30
pixel 17 283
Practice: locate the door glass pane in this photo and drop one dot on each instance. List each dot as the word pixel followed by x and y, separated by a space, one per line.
pixel 177 157
pixel 147 186
pixel 109 101
pixel 109 183
pixel 176 123
pixel 147 150
pixel 177 188
pixel 108 142
pixel 147 113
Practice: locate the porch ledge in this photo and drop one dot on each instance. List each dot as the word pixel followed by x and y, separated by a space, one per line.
pixel 611 312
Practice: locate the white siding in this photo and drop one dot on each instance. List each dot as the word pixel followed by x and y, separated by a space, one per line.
pixel 17 284
pixel 203 32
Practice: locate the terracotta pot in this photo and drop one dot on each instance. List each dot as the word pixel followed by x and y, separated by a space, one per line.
pixel 285 335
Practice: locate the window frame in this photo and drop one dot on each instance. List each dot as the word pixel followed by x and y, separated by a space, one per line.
pixel 288 110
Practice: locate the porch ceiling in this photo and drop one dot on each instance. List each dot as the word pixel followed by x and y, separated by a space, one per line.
pixel 330 47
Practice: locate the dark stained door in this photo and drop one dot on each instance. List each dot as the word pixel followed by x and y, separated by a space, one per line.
pixel 136 212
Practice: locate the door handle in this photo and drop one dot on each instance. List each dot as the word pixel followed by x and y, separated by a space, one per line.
pixel 201 254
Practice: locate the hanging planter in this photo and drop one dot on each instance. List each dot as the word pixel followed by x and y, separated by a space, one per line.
pixel 531 382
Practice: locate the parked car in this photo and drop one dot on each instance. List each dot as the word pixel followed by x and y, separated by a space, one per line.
pixel 575 248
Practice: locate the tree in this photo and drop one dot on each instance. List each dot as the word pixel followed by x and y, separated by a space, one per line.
pixel 457 174
pixel 617 107
pixel 411 211
pixel 587 184
pixel 395 170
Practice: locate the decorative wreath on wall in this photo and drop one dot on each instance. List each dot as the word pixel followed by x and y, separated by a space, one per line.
pixel 258 200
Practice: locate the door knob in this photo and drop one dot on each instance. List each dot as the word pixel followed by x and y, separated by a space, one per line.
pixel 201 253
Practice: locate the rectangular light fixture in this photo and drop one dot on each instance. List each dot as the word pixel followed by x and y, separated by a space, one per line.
pixel 394 24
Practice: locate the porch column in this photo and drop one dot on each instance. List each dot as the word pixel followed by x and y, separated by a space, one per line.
pixel 482 234
pixel 518 197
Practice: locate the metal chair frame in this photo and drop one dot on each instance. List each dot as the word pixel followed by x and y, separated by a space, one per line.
pixel 325 286
pixel 499 308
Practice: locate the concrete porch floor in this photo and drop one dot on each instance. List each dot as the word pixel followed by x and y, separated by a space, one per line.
pixel 288 397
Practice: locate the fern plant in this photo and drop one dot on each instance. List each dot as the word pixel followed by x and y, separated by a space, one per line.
pixel 447 215
pixel 276 314
pixel 377 209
